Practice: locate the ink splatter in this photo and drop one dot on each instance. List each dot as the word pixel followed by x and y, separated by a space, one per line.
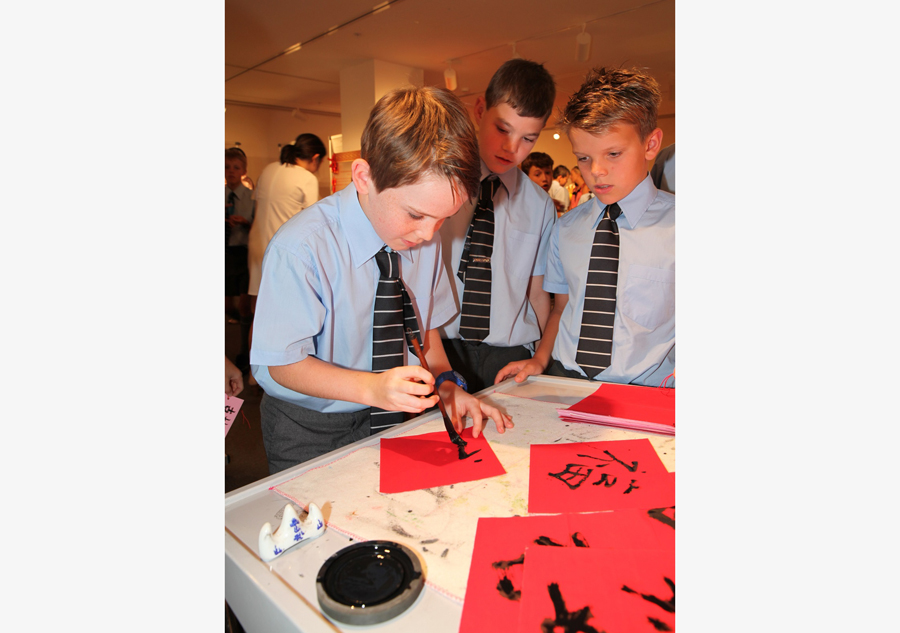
pixel 429 541
pixel 665 605
pixel 579 540
pixel 444 553
pixel 546 540
pixel 659 625
pixel 399 530
pixel 477 460
pixel 567 621
pixel 662 516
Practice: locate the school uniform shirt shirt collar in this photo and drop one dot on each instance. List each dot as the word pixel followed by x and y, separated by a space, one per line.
pixel 510 178
pixel 240 192
pixel 364 241
pixel 633 206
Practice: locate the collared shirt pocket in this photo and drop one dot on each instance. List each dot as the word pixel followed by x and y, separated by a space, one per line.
pixel 648 297
pixel 521 252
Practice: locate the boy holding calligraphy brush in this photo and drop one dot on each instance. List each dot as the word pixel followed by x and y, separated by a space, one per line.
pixel 342 280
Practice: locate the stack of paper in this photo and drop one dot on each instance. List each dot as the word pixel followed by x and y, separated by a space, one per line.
pixel 650 409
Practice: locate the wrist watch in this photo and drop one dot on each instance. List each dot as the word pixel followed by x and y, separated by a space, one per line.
pixel 454 376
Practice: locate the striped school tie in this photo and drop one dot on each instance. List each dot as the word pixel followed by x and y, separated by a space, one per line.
pixel 475 267
pixel 393 314
pixel 597 319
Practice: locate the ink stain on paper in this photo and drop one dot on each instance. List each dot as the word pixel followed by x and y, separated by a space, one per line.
pixel 428 541
pixel 444 553
pixel 399 530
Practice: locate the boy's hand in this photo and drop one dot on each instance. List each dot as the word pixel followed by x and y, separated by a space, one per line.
pixel 460 404
pixel 521 369
pixel 401 389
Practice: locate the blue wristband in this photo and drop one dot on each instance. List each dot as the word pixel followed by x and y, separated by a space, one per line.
pixel 454 376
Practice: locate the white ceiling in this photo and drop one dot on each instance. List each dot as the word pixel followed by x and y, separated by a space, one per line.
pixel 477 35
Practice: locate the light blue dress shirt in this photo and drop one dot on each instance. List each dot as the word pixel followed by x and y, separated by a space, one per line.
pixel 524 216
pixel 317 294
pixel 644 329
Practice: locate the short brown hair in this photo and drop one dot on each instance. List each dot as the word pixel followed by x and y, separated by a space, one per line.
pixel 525 85
pixel 412 131
pixel 537 159
pixel 236 153
pixel 610 96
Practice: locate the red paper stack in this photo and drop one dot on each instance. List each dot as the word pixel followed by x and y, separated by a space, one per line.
pixel 650 409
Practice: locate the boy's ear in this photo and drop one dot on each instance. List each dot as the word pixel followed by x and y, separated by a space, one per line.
pixel 361 176
pixel 480 107
pixel 653 144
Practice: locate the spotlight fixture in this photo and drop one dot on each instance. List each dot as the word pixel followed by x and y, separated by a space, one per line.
pixel 583 44
pixel 450 77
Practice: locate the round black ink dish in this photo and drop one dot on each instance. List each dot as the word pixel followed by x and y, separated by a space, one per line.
pixel 369 583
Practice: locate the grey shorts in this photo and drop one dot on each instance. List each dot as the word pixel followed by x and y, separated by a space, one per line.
pixel 293 434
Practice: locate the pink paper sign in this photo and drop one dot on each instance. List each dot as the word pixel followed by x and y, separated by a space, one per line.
pixel 494 587
pixel 592 476
pixel 430 460
pixel 232 406
pixel 617 591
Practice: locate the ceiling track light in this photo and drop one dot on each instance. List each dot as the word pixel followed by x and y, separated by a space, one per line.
pixel 450 77
pixel 583 45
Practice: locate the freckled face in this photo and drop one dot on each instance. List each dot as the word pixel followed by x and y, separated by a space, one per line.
pixel 234 171
pixel 406 216
pixel 504 137
pixel 542 177
pixel 615 162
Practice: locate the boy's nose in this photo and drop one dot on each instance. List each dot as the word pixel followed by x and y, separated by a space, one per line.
pixel 429 230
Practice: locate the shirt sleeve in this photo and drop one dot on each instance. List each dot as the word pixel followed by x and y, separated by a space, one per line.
pixel 289 310
pixel 554 276
pixel 540 266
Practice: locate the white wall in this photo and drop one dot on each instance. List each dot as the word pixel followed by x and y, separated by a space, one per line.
pixel 260 130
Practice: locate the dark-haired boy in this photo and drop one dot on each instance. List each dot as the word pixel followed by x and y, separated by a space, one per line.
pixel 612 259
pixel 503 306
pixel 318 349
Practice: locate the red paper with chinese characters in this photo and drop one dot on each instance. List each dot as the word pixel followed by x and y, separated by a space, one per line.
pixel 612 590
pixel 627 406
pixel 593 476
pixel 426 461
pixel 493 590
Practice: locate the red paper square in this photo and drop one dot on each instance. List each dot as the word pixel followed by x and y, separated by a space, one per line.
pixel 612 590
pixel 426 461
pixel 593 476
pixel 493 590
pixel 631 402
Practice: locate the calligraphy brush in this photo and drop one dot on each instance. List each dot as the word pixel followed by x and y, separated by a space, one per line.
pixel 454 436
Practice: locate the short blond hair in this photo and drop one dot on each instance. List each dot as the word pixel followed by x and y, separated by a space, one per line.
pixel 610 96
pixel 413 131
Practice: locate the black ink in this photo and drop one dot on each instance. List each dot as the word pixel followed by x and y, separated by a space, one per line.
pixel 631 487
pixel 579 540
pixel 477 460
pixel 506 564
pixel 604 478
pixel 429 541
pixel 568 622
pixel 660 515
pixel 631 468
pixel 546 540
pixel 659 625
pixel 506 589
pixel 424 549
pixel 665 605
pixel 568 475
pixel 444 553
pixel 505 585
pixel 399 530
pixel 463 454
